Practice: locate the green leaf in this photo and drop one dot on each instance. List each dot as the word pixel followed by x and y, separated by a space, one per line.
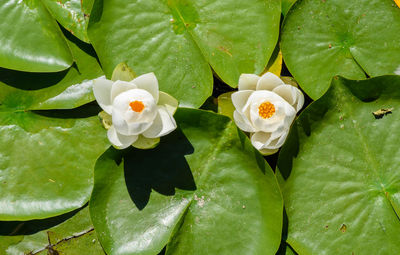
pixel 342 193
pixel 42 91
pixel 72 14
pixel 321 39
pixel 47 157
pixel 47 160
pixel 178 39
pixel 286 4
pixel 225 105
pixel 31 39
pixel 70 233
pixel 210 186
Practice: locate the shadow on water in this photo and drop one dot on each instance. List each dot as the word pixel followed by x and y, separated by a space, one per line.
pixel 162 169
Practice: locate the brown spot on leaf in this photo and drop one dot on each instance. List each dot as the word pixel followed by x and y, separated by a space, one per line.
pixel 343 228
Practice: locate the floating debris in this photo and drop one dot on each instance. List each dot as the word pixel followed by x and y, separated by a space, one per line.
pixel 382 112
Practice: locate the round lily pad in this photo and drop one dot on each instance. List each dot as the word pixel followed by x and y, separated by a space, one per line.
pixel 204 182
pixel 340 162
pixel 324 38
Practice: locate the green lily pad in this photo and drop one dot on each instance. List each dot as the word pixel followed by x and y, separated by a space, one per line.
pixel 324 38
pixel 47 157
pixel 31 39
pixel 225 105
pixel 210 186
pixel 179 39
pixel 286 4
pixel 340 162
pixel 71 233
pixel 72 14
pixel 60 90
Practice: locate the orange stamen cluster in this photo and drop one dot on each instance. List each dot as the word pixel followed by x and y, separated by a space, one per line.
pixel 266 110
pixel 137 106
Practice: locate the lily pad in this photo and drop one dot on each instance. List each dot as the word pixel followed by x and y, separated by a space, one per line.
pixel 321 39
pixel 286 4
pixel 47 157
pixel 72 14
pixel 179 39
pixel 31 39
pixel 210 186
pixel 342 189
pixel 59 90
pixel 71 233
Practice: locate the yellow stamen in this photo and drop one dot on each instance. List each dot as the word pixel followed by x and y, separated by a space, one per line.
pixel 266 110
pixel 137 106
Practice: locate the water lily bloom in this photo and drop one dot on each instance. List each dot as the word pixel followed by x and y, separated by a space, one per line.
pixel 137 109
pixel 266 107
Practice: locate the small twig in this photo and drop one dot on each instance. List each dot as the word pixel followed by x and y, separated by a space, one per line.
pixel 50 246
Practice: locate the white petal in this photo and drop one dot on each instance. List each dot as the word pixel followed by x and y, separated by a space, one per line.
pixel 168 101
pixel 239 99
pixel 118 140
pixel 248 81
pixel 291 94
pixel 264 140
pixel 102 93
pixel 163 124
pixel 119 87
pixel 269 81
pixel 148 82
pixel 242 122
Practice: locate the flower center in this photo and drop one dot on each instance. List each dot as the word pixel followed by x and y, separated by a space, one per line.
pixel 137 106
pixel 266 110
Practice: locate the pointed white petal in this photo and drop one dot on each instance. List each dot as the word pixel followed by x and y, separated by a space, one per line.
pixel 148 82
pixel 269 81
pixel 248 81
pixel 168 101
pixel 291 94
pixel 102 93
pixel 258 139
pixel 242 122
pixel 118 140
pixel 119 87
pixel 300 100
pixel 163 124
pixel 287 92
pixel 239 99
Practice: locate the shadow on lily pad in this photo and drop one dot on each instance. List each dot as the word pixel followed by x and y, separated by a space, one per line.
pixel 162 169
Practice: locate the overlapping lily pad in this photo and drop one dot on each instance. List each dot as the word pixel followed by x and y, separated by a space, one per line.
pixel 71 233
pixel 72 14
pixel 178 39
pixel 203 191
pixel 354 39
pixel 47 157
pixel 31 39
pixel 341 162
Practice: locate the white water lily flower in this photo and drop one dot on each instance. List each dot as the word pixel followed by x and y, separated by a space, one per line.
pixel 137 109
pixel 266 107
